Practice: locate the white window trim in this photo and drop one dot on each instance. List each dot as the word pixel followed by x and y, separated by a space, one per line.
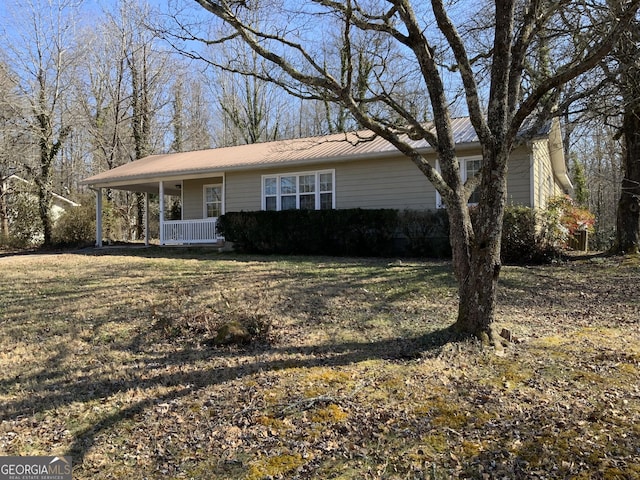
pixel 462 164
pixel 204 198
pixel 278 195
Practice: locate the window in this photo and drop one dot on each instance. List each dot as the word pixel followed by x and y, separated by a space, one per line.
pixel 468 168
pixel 212 201
pixel 471 167
pixel 303 191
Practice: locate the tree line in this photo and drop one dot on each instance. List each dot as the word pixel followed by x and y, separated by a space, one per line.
pixel 85 90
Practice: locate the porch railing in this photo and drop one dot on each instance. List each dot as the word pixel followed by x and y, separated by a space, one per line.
pixel 190 231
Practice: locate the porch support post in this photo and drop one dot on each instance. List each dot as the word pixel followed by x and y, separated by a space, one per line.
pixel 161 193
pixel 146 218
pixel 98 217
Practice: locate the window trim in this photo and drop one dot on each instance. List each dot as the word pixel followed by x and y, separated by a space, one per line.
pixel 317 192
pixel 462 164
pixel 204 198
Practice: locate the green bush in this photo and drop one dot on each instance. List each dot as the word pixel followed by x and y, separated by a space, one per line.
pixel 76 227
pixel 524 237
pixel 353 232
pixel 383 232
pixel 320 232
pixel 426 233
pixel 25 226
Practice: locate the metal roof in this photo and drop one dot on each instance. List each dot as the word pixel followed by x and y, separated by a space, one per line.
pixel 335 147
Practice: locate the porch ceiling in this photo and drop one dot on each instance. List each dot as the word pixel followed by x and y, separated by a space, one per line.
pixel 170 187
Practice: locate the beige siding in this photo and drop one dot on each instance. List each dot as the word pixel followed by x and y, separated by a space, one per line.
pixel 193 197
pixel 243 191
pixel 393 183
pixel 379 183
pixel 544 182
pixel 519 178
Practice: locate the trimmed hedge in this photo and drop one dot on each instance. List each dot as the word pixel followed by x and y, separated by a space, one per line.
pixel 316 232
pixel 372 233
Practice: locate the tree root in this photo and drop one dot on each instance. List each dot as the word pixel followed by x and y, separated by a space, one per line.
pixel 499 341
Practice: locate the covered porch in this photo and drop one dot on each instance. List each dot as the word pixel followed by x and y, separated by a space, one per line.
pixel 201 203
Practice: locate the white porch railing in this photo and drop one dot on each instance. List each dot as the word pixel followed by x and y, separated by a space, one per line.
pixel 189 231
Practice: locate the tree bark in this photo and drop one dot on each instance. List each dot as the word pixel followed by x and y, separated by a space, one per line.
pixel 476 256
pixel 628 217
pixel 628 214
pixel 4 211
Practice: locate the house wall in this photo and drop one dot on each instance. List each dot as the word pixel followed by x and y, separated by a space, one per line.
pixel 519 177
pixel 379 183
pixel 192 196
pixel 544 182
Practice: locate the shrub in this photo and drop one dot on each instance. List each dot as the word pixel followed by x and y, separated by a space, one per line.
pixel 523 237
pixel 564 219
pixel 359 232
pixel 76 227
pixel 328 232
pixel 426 233
pixel 25 226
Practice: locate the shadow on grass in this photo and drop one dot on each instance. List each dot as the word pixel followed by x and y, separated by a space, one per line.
pixel 305 294
pixel 61 393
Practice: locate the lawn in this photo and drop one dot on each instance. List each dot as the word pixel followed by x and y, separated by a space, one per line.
pixel 117 359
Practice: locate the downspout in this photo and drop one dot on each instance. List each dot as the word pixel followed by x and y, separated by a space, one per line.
pixel 532 175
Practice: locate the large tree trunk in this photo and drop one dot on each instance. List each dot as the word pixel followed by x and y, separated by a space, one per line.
pixel 140 211
pixel 476 250
pixel 626 53
pixel 628 221
pixel 44 208
pixel 43 180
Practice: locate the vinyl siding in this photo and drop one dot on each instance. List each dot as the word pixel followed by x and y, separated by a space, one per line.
pixel 544 182
pixel 519 177
pixel 381 183
pixel 192 197
pixel 243 190
pixel 393 183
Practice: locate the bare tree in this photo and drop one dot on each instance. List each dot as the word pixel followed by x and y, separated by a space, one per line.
pixel 11 126
pixel 147 75
pixel 627 56
pixel 191 115
pixel 599 149
pixel 603 109
pixel 501 95
pixel 41 58
pixel 103 93
pixel 248 106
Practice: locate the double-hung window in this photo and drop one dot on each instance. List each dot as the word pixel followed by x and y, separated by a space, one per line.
pixel 469 166
pixel 212 201
pixel 299 191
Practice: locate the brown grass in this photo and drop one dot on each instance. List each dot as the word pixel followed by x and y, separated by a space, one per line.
pixel 112 358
